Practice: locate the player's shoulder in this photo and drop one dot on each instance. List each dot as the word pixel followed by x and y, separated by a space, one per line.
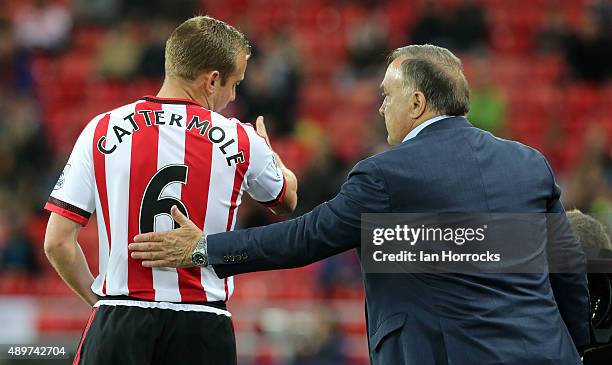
pixel 106 116
pixel 222 120
pixel 121 110
pixel 251 132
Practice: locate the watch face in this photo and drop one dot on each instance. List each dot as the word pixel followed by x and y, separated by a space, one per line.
pixel 198 259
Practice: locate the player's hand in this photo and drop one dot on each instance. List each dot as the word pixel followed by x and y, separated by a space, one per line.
pixel 167 249
pixel 260 127
pixel 91 298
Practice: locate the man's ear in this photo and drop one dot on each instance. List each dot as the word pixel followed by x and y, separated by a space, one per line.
pixel 418 104
pixel 209 82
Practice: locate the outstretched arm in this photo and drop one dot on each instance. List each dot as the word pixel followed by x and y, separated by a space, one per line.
pixel 331 228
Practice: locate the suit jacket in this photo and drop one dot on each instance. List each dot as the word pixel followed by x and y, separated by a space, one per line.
pixel 450 166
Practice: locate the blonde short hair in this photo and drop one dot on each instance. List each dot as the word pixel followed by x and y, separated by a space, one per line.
pixel 202 44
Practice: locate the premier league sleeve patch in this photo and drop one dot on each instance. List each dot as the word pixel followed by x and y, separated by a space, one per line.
pixel 62 178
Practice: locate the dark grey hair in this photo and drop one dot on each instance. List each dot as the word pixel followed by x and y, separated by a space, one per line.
pixel 438 74
pixel 589 231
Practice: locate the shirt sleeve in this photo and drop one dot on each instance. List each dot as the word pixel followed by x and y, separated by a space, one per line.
pixel 265 181
pixel 73 196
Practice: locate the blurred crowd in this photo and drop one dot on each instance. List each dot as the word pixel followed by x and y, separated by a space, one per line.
pixel 539 72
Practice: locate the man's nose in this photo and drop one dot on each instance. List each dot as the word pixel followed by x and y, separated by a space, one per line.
pixel 381 110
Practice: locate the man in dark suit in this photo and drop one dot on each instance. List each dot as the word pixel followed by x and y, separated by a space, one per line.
pixel 439 163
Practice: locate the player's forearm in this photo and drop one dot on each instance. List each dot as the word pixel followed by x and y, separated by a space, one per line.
pixel 69 261
pixel 291 197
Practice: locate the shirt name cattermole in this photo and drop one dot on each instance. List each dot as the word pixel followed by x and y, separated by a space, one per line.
pixel 444 256
pixel 215 134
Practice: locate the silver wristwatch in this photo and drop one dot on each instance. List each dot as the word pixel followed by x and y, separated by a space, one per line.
pixel 199 257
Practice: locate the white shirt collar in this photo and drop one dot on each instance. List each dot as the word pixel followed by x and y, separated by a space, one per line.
pixel 413 133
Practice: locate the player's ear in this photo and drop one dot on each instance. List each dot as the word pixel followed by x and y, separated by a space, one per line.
pixel 214 81
pixel 209 82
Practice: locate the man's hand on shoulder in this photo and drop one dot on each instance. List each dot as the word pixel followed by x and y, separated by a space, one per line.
pixel 167 249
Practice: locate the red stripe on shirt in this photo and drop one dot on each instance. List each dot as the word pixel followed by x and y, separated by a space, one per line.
pixel 99 161
pixel 244 146
pixel 241 169
pixel 143 166
pixel 257 132
pixel 77 357
pixel 198 157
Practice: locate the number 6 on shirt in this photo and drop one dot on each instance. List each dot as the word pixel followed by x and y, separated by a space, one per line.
pixel 153 204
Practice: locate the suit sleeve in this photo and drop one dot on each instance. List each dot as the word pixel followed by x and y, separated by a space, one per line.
pixel 568 279
pixel 330 228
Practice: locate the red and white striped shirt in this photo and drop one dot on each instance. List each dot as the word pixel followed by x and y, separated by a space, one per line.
pixel 132 164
